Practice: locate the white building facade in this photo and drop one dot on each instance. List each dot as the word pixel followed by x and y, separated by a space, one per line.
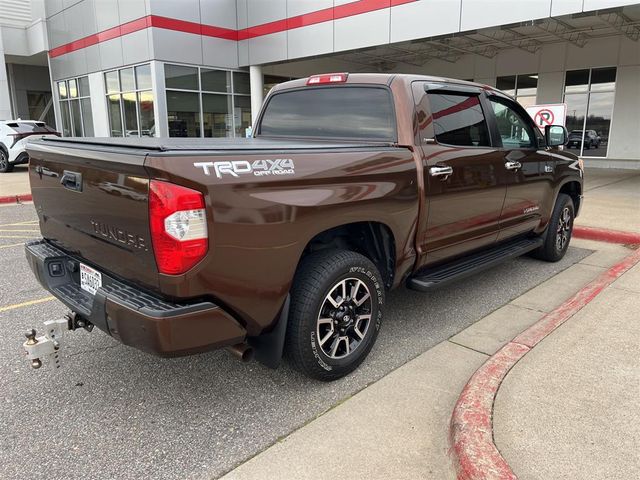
pixel 201 67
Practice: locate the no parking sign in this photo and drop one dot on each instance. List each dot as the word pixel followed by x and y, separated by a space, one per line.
pixel 550 114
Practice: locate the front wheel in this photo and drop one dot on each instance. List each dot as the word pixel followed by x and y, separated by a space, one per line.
pixel 5 166
pixel 559 231
pixel 336 313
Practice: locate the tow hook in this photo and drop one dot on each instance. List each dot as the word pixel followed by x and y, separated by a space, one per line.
pixel 47 346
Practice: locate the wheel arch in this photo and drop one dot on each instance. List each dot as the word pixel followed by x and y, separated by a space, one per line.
pixel 375 240
pixel 573 188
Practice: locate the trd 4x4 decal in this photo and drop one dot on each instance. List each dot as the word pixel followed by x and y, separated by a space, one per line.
pixel 259 168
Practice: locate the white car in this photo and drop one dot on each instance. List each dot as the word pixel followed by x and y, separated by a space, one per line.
pixel 13 141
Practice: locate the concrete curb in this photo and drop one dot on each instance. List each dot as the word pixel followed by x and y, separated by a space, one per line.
pixel 603 235
pixel 474 454
pixel 25 197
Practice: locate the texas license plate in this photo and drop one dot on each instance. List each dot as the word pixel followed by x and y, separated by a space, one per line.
pixel 90 279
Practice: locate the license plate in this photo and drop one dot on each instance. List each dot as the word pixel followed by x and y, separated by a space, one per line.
pixel 90 279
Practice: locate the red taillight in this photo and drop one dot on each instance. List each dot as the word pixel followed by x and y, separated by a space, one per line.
pixel 327 78
pixel 178 222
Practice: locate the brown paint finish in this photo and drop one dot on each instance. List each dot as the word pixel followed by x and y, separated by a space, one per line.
pixel 259 226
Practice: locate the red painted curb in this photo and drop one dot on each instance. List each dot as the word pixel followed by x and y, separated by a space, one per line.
pixel 16 198
pixel 473 451
pixel 603 235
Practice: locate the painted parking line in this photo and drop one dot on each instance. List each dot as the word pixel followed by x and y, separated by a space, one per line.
pixel 12 245
pixel 26 304
pixel 18 236
pixel 16 224
pixel 16 230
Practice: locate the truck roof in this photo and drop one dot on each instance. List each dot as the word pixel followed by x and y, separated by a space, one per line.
pixel 383 79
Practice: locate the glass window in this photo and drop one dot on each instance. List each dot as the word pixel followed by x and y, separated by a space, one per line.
pixel 514 131
pixel 598 124
pixel 215 80
pixel 241 83
pixel 524 88
pixel 131 109
pixel 589 112
pixel 576 81
pixel 62 90
pixel 115 115
pixel 336 112
pixel 127 82
pixel 507 84
pixel 66 119
pixel 87 116
pixel 73 88
pixel 112 82
pixel 76 118
pixel 603 79
pixel 83 86
pixel 181 77
pixel 147 119
pixel 527 85
pixel 576 108
pixel 143 77
pixel 458 120
pixel 242 114
pixel 183 110
pixel 217 120
pixel 130 115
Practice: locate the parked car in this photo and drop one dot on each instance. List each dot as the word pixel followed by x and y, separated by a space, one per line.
pixel 591 139
pixel 289 241
pixel 13 135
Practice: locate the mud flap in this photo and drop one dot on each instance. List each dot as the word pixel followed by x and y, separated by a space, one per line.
pixel 269 346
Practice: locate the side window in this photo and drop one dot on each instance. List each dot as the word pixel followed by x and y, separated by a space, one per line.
pixel 458 120
pixel 514 130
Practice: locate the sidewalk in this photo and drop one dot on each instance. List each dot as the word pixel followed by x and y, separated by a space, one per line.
pixel 568 409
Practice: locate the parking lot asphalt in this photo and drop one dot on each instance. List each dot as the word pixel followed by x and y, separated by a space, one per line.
pixel 113 412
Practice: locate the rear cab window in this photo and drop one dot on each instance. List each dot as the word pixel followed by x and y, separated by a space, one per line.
pixel 336 112
pixel 458 119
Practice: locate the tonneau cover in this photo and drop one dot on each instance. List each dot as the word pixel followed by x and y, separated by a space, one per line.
pixel 204 144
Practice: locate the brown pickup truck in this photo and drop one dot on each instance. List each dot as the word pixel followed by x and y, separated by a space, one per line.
pixel 286 243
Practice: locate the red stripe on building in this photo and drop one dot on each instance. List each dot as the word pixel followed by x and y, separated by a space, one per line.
pixel 320 16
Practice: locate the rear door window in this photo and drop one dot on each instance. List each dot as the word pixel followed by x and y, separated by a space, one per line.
pixel 349 112
pixel 458 119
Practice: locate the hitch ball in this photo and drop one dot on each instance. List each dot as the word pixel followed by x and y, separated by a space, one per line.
pixel 32 340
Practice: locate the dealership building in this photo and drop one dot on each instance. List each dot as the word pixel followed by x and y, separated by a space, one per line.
pixel 201 68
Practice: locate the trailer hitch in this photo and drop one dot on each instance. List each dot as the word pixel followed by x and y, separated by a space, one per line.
pixel 48 346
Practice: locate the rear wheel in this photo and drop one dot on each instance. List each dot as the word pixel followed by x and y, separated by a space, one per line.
pixel 5 166
pixel 559 231
pixel 336 312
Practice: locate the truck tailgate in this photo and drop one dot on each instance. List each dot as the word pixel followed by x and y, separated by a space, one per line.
pixel 94 204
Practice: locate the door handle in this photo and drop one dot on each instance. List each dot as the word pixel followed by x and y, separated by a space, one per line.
pixel 72 181
pixel 440 171
pixel 509 165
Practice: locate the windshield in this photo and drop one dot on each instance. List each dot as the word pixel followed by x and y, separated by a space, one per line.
pixel 347 112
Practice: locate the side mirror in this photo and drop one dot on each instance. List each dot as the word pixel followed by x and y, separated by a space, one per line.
pixel 555 135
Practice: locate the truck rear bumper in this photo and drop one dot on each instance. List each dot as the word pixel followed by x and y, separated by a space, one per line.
pixel 131 315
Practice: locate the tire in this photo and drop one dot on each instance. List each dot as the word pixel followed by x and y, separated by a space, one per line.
pixel 5 166
pixel 558 234
pixel 587 146
pixel 328 336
